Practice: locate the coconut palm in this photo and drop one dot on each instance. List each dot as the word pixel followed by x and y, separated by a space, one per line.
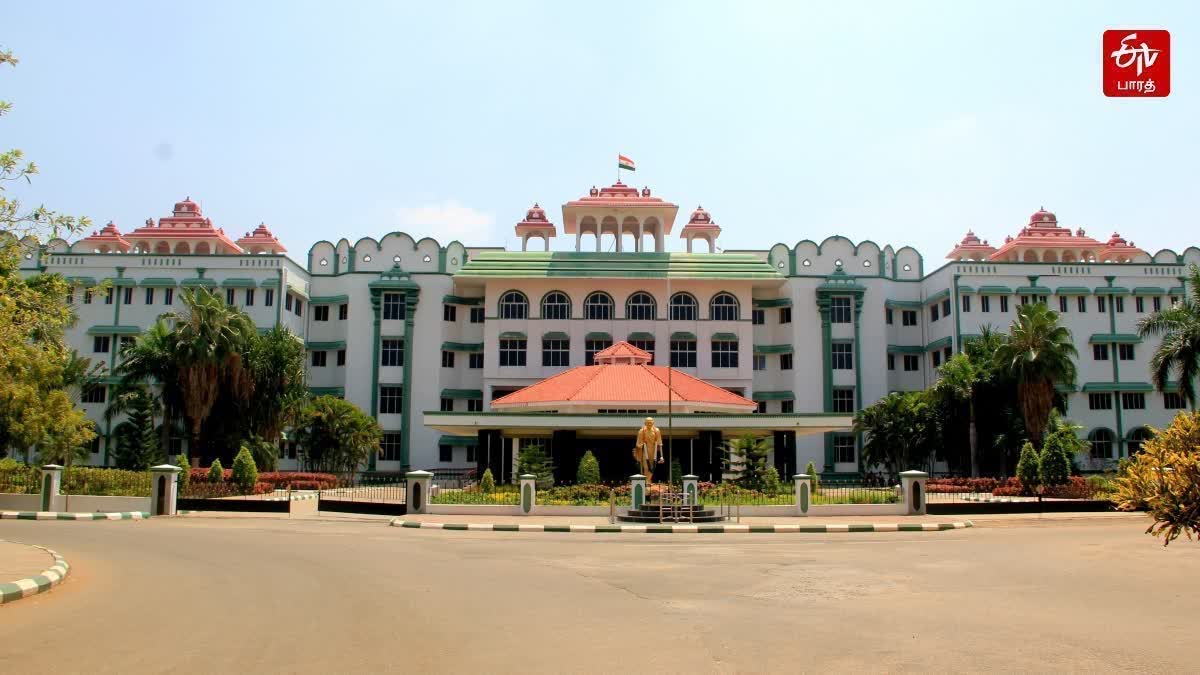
pixel 276 364
pixel 150 360
pixel 1038 354
pixel 1179 350
pixel 959 379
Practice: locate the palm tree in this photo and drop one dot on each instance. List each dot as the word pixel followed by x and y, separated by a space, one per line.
pixel 960 377
pixel 902 432
pixel 335 435
pixel 276 364
pixel 1179 351
pixel 1038 354
pixel 150 360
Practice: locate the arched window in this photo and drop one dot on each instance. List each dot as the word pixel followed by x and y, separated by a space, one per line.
pixel 1136 438
pixel 684 307
pixel 724 307
pixel 556 305
pixel 1102 443
pixel 514 305
pixel 640 306
pixel 598 305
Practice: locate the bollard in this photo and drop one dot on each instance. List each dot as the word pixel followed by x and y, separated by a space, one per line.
pixel 528 493
pixel 912 488
pixel 803 493
pixel 417 496
pixel 637 491
pixel 51 483
pixel 691 490
pixel 164 489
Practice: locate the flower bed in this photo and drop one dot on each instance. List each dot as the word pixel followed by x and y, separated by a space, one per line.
pixel 962 484
pixel 205 490
pixel 279 480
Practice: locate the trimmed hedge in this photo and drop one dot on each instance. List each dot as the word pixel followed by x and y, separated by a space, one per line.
pixel 279 480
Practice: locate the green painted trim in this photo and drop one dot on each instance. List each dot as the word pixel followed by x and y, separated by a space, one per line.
pixel 410 313
pixel 1034 290
pixel 724 337
pixel 773 396
pixel 325 346
pixel 683 335
pixel 157 282
pixel 462 346
pixel 1130 387
pixel 198 282
pixel 1118 338
pixel 773 349
pixel 937 297
pixel 1072 290
pixel 555 335
pixel 114 330
pixel 279 300
pixel 904 304
pixel 239 283
pixel 574 264
pixel 905 349
pixel 120 281
pixel 1177 290
pixel 328 299
pixel 462 393
pixel 958 311
pixel 940 343
pixel 964 288
pixel 640 335
pixel 1111 290
pixel 461 300
pixel 458 441
pixel 598 336
pixel 328 391
pixel 512 335
pixel 1065 388
pixel 377 310
pixel 1118 410
pixel 858 364
pixel 995 290
pixel 87 282
pixel 1149 290
pixel 768 303
pixel 273 283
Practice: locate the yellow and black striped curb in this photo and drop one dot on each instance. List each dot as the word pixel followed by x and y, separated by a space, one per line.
pixel 52 515
pixel 687 529
pixel 40 583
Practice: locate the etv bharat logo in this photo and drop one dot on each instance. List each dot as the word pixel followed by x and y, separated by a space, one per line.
pixel 1137 63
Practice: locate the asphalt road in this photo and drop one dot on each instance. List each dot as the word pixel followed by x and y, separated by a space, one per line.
pixel 264 595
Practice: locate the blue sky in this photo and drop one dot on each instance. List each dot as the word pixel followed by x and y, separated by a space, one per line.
pixel 904 123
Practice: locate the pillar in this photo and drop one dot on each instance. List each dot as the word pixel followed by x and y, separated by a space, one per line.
pixel 803 493
pixel 51 483
pixel 528 493
pixel 164 489
pixel 912 489
pixel 691 489
pixel 637 491
pixel 417 495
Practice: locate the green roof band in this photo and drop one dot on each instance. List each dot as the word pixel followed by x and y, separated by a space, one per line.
pixel 1176 290
pixel 270 283
pixel 462 346
pixel 683 335
pixel 940 344
pixel 1111 290
pixel 328 299
pixel 157 282
pixel 905 349
pixel 725 337
pixel 196 282
pixel 121 281
pixel 936 297
pixel 239 282
pixel 461 300
pixel 597 336
pixel 768 303
pixel 114 330
pixel 512 335
pixel 640 335
pixel 902 304
pixel 325 346
pixel 1065 388
pixel 462 393
pixel 1073 290
pixel 773 396
pixel 1149 290
pixel 1033 290
pixel 458 440
pixel 995 290
pixel 1119 338
pixel 1132 387
pixel 965 289
pixel 340 392
pixel 555 335
pixel 773 349
pixel 82 281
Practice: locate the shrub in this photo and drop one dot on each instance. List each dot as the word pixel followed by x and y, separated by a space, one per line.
pixel 1164 479
pixel 771 484
pixel 487 484
pixel 811 470
pixel 963 484
pixel 1054 466
pixel 589 470
pixel 676 471
pixel 265 453
pixel 185 476
pixel 533 459
pixel 245 471
pixel 216 473
pixel 1027 468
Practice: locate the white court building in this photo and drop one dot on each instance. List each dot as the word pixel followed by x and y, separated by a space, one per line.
pixel 425 334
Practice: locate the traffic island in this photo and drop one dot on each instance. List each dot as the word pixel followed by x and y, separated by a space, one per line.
pixel 674 528
pixel 24 561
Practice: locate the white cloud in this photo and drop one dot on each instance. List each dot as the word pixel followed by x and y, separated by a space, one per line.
pixel 448 221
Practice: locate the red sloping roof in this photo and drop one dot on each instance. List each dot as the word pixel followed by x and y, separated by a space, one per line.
pixel 623 348
pixel 622 386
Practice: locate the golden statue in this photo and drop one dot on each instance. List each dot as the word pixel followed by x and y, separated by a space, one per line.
pixel 648 449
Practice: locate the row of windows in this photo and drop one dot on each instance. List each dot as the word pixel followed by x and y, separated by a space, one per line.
pixel 321 312
pixel 907 316
pixel 638 306
pixel 912 362
pixel 556 352
pixel 760 361
pixel 320 359
pixel 785 407
pixel 1103 442
pixel 1172 400
pixel 473 405
pixel 450 313
pixel 1124 352
pixel 758 317
pixel 474 360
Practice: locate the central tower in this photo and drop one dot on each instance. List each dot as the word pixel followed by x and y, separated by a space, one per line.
pixel 621 211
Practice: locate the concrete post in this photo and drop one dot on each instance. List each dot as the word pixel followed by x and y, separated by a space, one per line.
pixel 803 493
pixel 417 497
pixel 164 489
pixel 51 483
pixel 637 491
pixel 912 489
pixel 691 489
pixel 528 493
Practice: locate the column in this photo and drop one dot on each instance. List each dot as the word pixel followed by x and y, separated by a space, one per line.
pixel 410 352
pixel 912 489
pixel 51 482
pixel 803 493
pixel 419 483
pixel 164 489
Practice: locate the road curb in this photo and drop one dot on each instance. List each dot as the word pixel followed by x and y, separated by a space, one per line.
pixel 52 515
pixel 687 529
pixel 39 583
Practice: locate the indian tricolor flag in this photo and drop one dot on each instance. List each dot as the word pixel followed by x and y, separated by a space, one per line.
pixel 624 162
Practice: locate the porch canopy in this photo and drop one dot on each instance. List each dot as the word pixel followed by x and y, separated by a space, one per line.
pixel 608 425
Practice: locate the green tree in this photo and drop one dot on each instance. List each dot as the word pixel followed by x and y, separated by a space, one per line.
pixel 185 476
pixel 1164 479
pixel 534 460
pixel 676 471
pixel 746 460
pixel 956 383
pixel 265 453
pixel 216 472
pixel 811 471
pixel 335 435
pixel 589 470
pixel 137 446
pixel 1027 468
pixel 275 361
pixel 150 361
pixel 1054 464
pixel 1038 354
pixel 245 473
pixel 487 484
pixel 902 431
pixel 1179 351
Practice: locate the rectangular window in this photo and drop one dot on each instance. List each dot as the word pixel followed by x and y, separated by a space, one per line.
pixel 449 313
pixel 1004 303
pixel 320 312
pixel 1100 305
pixel 985 303
pixel 761 407
pixel 947 353
pixel 1156 303
pixel 475 361
pixel 843 400
pixel 87 296
pixel 149 296
pixel 785 315
pixel 341 360
pixel 512 352
pixel 1081 304
pixel 1100 352
pixel 1062 304
pixel 839 310
pixel 299 306
pixel 912 362
pixel 785 361
pixel 1100 401
pixel 1139 305
pixel 127 296
pixel 787 407
pixel 724 354
pixel 887 316
pixel 843 449
pixel 908 317
pixel 1024 299
pixel 1125 352
pixel 96 445
pixel 249 297
pixel 343 312
pixel 447 359
pixel 108 296
pixel 101 344
pixel 1133 400
pixel 269 297
pixel 390 398
pixel 683 353
pixel 445 454
pixel 471 454
pixel 390 445
pixel 1119 303
pixel 843 356
pixel 966 303
pixel 590 347
pixel 476 315
pixel 946 307
pixel 391 352
pixel 93 394
pixel 168 296
pixel 229 296
pixel 891 361
pixel 71 296
pixel 474 405
pixel 760 361
pixel 933 312
pixel 393 306
pixel 318 359
pixel 556 353
pixel 1173 400
pixel 757 317
pixel 937 359
pixel 125 342
pixel 1043 299
pixel 447 405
